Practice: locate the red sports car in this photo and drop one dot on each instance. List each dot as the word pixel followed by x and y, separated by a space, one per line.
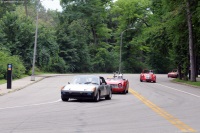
pixel 147 75
pixel 118 84
pixel 173 74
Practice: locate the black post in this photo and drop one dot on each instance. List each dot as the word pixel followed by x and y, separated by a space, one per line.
pixel 9 76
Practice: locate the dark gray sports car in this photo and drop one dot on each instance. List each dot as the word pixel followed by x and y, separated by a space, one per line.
pixel 86 87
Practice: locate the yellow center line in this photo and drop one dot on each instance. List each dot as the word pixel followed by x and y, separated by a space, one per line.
pixel 176 122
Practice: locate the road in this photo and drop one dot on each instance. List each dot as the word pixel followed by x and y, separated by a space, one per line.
pixel 162 107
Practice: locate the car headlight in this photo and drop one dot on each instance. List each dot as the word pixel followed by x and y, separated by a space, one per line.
pixel 94 89
pixel 62 87
pixel 120 85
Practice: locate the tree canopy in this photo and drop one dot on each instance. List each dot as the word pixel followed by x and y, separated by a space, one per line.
pixel 86 36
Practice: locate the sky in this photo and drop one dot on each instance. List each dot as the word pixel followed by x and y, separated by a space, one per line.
pixel 52 4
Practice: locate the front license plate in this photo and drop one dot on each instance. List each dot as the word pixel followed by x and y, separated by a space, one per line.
pixel 114 86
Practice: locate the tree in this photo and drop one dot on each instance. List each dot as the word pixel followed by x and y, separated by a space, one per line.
pixel 92 11
pixel 14 28
pixel 131 14
pixel 191 45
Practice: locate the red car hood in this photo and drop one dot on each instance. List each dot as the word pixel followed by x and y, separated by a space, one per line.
pixel 114 81
pixel 172 73
pixel 147 74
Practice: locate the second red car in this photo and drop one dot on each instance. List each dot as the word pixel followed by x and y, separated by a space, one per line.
pixel 147 75
pixel 173 74
pixel 118 84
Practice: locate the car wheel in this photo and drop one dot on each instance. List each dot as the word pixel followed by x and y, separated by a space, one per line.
pixel 97 97
pixel 109 96
pixel 140 80
pixel 64 98
pixel 124 92
pixel 127 91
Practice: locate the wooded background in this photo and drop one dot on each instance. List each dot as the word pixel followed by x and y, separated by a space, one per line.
pixel 85 37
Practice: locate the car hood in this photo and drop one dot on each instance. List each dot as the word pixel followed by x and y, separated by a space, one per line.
pixel 111 81
pixel 172 72
pixel 148 73
pixel 79 87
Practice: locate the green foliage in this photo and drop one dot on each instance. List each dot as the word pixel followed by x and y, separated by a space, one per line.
pixel 47 48
pixel 18 67
pixel 18 36
pixel 73 46
pixel 86 36
pixel 17 33
pixel 105 59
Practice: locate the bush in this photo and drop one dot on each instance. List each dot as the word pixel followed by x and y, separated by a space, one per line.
pixel 18 68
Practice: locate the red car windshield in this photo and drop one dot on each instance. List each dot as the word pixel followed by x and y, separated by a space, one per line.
pixel 147 71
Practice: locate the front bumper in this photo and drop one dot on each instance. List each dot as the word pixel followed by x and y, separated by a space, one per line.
pixel 78 94
pixel 148 80
pixel 173 75
pixel 117 90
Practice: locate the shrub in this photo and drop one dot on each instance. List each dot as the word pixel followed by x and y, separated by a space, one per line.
pixel 18 68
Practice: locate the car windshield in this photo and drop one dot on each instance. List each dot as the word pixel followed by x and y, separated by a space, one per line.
pixel 146 71
pixel 85 79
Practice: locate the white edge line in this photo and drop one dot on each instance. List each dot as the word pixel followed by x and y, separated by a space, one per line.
pixel 31 105
pixel 179 90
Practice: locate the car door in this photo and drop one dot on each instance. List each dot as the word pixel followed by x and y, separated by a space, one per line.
pixel 103 86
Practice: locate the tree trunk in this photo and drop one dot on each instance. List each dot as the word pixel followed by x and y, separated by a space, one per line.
pixel 25 6
pixel 94 36
pixel 179 72
pixel 191 45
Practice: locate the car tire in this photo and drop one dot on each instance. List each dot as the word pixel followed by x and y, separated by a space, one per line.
pixel 64 99
pixel 127 91
pixel 141 80
pixel 109 96
pixel 124 92
pixel 97 97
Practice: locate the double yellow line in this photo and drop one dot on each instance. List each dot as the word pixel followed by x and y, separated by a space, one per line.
pixel 179 124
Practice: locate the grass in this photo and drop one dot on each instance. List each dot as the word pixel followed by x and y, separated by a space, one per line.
pixel 3 81
pixel 188 82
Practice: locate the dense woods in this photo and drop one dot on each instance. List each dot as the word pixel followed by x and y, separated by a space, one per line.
pixel 86 36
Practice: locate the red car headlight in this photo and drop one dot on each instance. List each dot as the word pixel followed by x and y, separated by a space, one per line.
pixel 120 85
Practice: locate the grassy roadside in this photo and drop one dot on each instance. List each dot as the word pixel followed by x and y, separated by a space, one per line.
pixel 197 84
pixel 2 81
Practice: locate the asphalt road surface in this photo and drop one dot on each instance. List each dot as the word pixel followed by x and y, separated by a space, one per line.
pixel 161 107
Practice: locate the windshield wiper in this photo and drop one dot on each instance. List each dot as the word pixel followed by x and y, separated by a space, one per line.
pixel 94 83
pixel 87 82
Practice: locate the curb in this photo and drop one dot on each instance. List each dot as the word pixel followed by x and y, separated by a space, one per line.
pixel 42 77
pixel 17 89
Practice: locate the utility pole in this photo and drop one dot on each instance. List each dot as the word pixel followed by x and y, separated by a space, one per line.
pixel 35 45
pixel 120 56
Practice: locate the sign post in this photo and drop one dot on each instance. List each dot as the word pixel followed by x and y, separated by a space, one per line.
pixel 9 76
